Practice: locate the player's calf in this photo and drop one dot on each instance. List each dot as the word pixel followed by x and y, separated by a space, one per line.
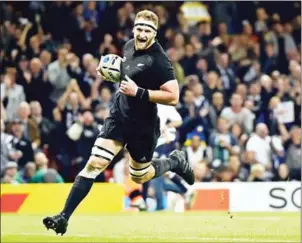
pixel 100 158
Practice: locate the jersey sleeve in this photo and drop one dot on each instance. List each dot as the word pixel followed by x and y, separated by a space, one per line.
pixel 163 70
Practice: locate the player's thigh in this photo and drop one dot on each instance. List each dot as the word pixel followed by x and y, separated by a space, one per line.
pixel 141 151
pixel 109 142
pixel 103 152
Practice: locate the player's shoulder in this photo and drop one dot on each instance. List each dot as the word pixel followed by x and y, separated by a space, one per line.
pixel 159 51
pixel 129 44
pixel 160 57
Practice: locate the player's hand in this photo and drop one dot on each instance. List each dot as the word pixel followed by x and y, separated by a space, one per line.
pixel 128 87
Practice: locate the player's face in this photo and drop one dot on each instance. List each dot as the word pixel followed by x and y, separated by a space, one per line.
pixel 143 36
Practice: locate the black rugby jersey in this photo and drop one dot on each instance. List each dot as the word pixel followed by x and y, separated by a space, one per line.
pixel 149 69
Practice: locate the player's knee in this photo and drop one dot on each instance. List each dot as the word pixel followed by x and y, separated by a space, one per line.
pixel 100 158
pixel 138 180
pixel 97 163
pixel 94 167
pixel 139 175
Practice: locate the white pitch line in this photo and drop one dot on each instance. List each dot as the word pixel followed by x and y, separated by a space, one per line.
pixel 194 238
pixel 257 218
pixel 44 234
pixel 216 216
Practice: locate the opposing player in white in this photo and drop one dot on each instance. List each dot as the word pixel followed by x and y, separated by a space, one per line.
pixel 170 120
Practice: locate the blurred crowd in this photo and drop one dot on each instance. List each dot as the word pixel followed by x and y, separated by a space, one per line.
pixel 238 66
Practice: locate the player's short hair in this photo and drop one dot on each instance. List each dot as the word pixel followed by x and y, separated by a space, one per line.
pixel 147 15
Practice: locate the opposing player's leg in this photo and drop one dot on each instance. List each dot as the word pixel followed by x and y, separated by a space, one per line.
pixel 183 186
pixel 102 154
pixel 187 191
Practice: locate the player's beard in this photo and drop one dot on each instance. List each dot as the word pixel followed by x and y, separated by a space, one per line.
pixel 142 45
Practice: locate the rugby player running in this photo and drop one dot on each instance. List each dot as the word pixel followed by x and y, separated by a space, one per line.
pixel 147 78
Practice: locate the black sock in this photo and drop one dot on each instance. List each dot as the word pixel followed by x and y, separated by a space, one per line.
pixel 79 190
pixel 177 180
pixel 161 166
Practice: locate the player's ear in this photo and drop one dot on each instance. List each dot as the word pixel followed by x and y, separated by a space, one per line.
pixel 154 34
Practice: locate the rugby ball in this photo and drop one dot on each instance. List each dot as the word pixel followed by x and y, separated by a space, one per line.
pixel 110 67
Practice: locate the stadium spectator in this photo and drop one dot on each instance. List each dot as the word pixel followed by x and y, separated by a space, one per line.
pixel 195 153
pixel 31 130
pixel 58 76
pixel 202 172
pixel 239 135
pixel 29 172
pixel 12 94
pixel 239 172
pixel 255 97
pixel 179 71
pixel 282 174
pixel 257 173
pixel 222 143
pixel 241 89
pixel 21 145
pixel 293 155
pixel 41 162
pixel 261 22
pixel 226 74
pixel 179 42
pixel 85 141
pixel 37 80
pixel 71 103
pixel 44 124
pixel 215 108
pixel 236 113
pixel 213 84
pixel 189 60
pixel 264 147
pixel 10 174
pixel 6 151
pixel 2 112
pixel 45 58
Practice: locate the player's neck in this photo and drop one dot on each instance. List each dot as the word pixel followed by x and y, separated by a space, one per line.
pixel 152 42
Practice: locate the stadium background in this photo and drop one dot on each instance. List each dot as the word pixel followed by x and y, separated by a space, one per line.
pixel 53 103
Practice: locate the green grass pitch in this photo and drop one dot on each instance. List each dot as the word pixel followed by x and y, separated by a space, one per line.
pixel 159 227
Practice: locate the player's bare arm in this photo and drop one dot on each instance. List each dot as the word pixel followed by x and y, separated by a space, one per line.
pixel 167 95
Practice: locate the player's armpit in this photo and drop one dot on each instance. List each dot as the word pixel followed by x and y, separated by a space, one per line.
pixel 167 95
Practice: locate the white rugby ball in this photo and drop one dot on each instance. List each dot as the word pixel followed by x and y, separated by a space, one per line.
pixel 110 67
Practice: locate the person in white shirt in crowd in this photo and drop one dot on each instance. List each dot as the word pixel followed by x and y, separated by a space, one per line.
pixel 196 151
pixel 236 113
pixel 58 76
pixel 12 94
pixel 170 119
pixel 264 147
pixel 6 152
